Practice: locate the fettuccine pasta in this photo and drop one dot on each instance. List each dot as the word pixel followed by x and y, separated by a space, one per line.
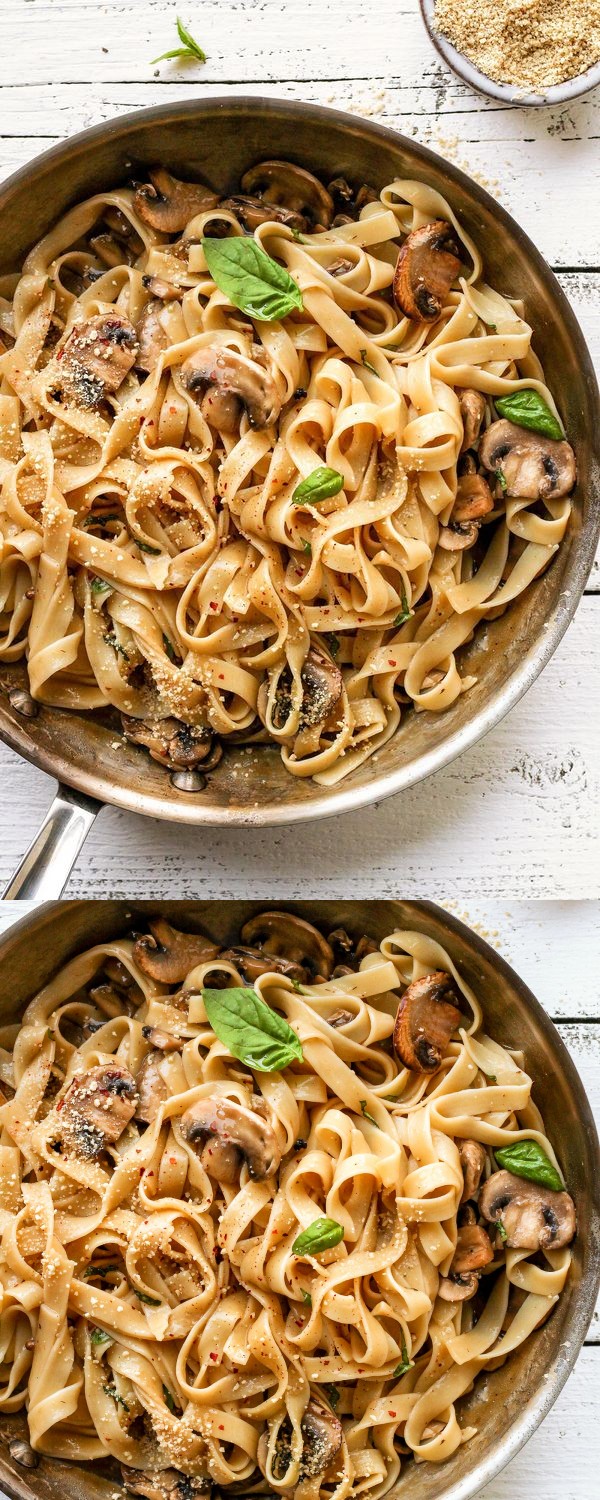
pixel 279 1274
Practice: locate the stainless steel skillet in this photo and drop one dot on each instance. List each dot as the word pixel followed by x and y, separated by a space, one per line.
pixel 216 140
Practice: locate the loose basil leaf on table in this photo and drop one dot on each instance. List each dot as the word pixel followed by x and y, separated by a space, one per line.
pixel 251 279
pixel 323 1234
pixel 251 1031
pixel 528 1159
pixel 528 409
pixel 320 485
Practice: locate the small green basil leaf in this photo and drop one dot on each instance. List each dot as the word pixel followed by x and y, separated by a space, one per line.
pixel 502 480
pixel 143 1296
pixel 366 1115
pixel 252 280
pixel 99 586
pixel 333 1395
pixel 169 1399
pixel 501 1230
pixel 251 1031
pixel 306 547
pixel 111 1390
pixel 405 1363
pixel 98 1336
pixel 367 364
pixel 145 547
pixel 320 485
pixel 528 1159
pixel 405 613
pixel 323 1234
pixel 306 1297
pixel 332 641
pixel 528 409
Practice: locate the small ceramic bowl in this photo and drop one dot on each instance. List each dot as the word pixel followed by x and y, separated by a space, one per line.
pixel 559 93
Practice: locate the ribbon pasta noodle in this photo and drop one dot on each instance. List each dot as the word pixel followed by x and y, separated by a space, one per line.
pixel 154 556
pixel 282 1280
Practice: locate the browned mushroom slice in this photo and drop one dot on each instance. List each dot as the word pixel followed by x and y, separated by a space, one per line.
pixel 474 499
pixel 96 1108
pixel 473 1250
pixel 459 1288
pixel 173 743
pixel 151 336
pixel 472 1160
pixel 472 410
pixel 168 204
pixel 427 1015
pixel 322 684
pixel 349 952
pixel 532 1217
pixel 225 381
pixel 165 1484
pixel 168 955
pixel 321 1436
pixel 532 467
pixel 159 288
pixel 290 937
pixel 428 263
pixel 347 201
pixel 289 186
pixel 163 1041
pixel 252 212
pixel 94 359
pixel 229 1133
pixel 252 962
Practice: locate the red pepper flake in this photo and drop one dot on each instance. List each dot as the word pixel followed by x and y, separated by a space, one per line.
pixel 213 604
pixel 173 1161
pixel 221 676
pixel 214 1357
pixel 392 663
pixel 391 1413
pixel 221 1427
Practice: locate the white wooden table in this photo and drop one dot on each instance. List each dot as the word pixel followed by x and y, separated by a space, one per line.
pixel 517 815
pixel 555 947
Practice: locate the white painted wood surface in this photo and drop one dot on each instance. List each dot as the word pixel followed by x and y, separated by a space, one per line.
pixel 555 947
pixel 517 815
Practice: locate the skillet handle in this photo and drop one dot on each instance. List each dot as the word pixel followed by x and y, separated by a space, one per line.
pixel 46 867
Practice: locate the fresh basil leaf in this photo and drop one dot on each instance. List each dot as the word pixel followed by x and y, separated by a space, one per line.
pixel 405 613
pixel 190 47
pixel 502 480
pixel 528 1159
pixel 365 1113
pixel 143 1297
pixel 306 1297
pixel 251 279
pixel 306 547
pixel 145 547
pixel 501 1230
pixel 251 1031
pixel 333 1395
pixel 169 1399
pixel 367 364
pixel 100 586
pixel 320 485
pixel 93 520
pixel 322 1235
pixel 528 409
pixel 405 1363
pixel 99 1271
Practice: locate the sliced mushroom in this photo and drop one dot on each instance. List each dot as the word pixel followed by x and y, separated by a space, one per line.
pixel 252 962
pixel 322 1437
pixel 173 743
pixel 472 410
pixel 151 1087
pixel 252 212
pixel 348 951
pixel 225 381
pixel 340 1017
pixel 472 1160
pixel 347 201
pixel 168 204
pixel 94 359
pixel 533 1217
pixel 322 683
pixel 229 1133
pixel 426 1017
pixel 164 290
pixel 289 186
pixel 473 1250
pixel 533 467
pixel 428 263
pixel 290 937
pixel 459 1288
pixel 168 955
pixel 151 336
pixel 162 1040
pixel 96 1108
pixel 165 1484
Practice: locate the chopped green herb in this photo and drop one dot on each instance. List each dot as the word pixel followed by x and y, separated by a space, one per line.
pixel 333 642
pixel 110 1390
pixel 98 1336
pixel 333 1395
pixel 99 1271
pixel 93 520
pixel 170 650
pixel 501 479
pixel 143 1297
pixel 306 547
pixel 145 547
pixel 169 1399
pixel 111 640
pixel 491 1078
pixel 405 1363
pixel 493 327
pixel 100 586
pixel 405 613
pixel 365 1113
pixel 301 238
pixel 501 1230
pixel 296 985
pixel 367 364
pixel 190 49
pixel 306 1297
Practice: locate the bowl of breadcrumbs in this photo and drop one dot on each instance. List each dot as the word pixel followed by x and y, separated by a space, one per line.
pixel 521 51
